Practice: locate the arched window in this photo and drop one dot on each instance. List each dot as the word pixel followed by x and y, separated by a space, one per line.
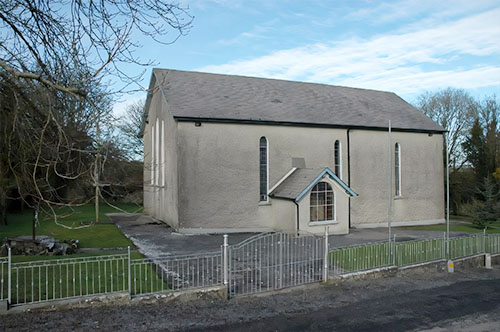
pixel 322 205
pixel 337 159
pixel 397 169
pixel 264 169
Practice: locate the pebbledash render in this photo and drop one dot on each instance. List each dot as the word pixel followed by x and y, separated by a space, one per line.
pixel 226 153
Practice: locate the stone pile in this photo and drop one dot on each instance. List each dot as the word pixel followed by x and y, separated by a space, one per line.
pixel 42 245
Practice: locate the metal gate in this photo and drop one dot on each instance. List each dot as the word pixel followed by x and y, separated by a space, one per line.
pixel 272 261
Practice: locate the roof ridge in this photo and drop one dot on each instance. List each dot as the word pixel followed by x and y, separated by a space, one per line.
pixel 270 79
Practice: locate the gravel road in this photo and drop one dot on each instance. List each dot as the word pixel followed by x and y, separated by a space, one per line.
pixel 412 301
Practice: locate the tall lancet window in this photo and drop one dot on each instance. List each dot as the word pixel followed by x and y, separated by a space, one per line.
pixel 337 159
pixel 264 169
pixel 397 169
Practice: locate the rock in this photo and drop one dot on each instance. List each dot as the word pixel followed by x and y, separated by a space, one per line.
pixel 60 249
pixel 25 245
pixel 48 241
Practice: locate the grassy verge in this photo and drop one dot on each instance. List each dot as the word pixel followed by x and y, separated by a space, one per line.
pixel 94 236
pixel 464 228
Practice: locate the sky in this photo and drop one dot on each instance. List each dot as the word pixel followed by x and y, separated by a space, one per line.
pixel 407 47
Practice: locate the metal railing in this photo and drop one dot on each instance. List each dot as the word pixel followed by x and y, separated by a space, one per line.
pixel 360 257
pixel 4 261
pixel 369 256
pixel 492 244
pixel 274 261
pixel 419 251
pixel 48 280
pixel 173 273
pixel 264 262
pixel 464 246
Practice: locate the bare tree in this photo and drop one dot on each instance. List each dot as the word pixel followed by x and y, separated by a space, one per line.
pixel 129 126
pixel 455 110
pixel 57 59
pixel 46 40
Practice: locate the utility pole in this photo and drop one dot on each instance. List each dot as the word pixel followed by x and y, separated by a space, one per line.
pixel 447 197
pixel 97 166
pixel 389 212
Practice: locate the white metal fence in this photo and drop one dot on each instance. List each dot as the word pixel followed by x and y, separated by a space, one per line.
pixel 261 263
pixel 48 280
pixel 4 261
pixel 173 273
pixel 274 261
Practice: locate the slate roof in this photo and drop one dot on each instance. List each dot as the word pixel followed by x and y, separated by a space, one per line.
pixel 302 180
pixel 195 95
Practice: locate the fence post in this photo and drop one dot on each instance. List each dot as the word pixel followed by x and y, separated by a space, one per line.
pixel 394 250
pixel 281 260
pixel 484 240
pixel 9 280
pixel 225 262
pixel 444 245
pixel 448 254
pixel 129 274
pixel 325 258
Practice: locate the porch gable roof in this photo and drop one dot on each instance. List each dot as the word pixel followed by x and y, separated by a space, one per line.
pixel 302 180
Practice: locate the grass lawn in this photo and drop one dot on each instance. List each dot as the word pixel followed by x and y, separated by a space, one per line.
pixel 95 236
pixel 24 259
pixel 57 277
pixel 466 228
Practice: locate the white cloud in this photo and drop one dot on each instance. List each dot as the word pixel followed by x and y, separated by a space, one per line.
pixel 408 10
pixel 396 61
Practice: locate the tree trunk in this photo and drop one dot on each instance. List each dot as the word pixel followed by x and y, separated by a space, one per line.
pixel 34 225
pixel 35 222
pixel 3 215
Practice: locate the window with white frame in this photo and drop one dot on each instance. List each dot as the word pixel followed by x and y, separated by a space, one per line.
pixel 322 203
pixel 397 169
pixel 337 159
pixel 264 168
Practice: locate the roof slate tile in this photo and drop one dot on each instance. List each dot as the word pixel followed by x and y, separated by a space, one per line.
pixel 216 96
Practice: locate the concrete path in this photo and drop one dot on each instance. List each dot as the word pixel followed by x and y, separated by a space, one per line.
pixel 154 238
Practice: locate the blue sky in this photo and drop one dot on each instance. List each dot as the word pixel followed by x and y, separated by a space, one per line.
pixel 407 47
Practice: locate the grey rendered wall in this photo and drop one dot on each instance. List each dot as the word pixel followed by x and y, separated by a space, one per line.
pixel 219 170
pixel 161 200
pixel 284 215
pixel 422 178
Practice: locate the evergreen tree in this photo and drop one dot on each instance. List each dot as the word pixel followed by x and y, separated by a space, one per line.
pixel 475 150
